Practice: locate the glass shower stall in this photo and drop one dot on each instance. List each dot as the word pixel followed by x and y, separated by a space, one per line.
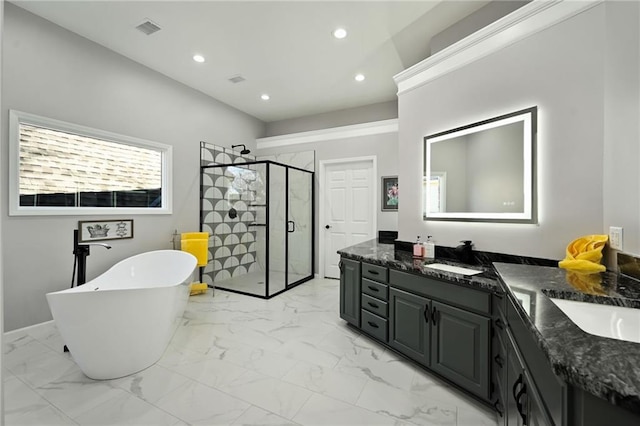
pixel 260 217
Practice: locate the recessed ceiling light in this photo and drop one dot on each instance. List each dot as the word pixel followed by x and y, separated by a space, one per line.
pixel 198 58
pixel 265 97
pixel 359 77
pixel 339 33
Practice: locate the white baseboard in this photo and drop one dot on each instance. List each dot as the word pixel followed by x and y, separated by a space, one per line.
pixel 26 330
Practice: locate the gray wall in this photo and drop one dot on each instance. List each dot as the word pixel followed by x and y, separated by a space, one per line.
pixel 364 114
pixel 561 71
pixel 383 146
pixel 621 147
pixel 52 72
pixel 472 23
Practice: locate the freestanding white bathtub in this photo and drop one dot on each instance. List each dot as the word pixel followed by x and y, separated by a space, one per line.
pixel 122 321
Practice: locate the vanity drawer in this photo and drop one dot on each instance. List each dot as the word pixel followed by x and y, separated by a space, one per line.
pixel 374 325
pixel 375 306
pixel 375 289
pixel 375 272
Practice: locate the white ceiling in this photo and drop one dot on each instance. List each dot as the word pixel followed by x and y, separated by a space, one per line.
pixel 283 48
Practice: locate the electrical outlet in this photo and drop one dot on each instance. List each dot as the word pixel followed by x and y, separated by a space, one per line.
pixel 615 237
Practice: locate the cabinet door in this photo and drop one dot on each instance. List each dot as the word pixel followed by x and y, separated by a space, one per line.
pixel 536 415
pixel 409 324
pixel 460 347
pixel 350 291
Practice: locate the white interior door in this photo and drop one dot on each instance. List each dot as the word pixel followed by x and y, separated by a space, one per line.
pixel 349 209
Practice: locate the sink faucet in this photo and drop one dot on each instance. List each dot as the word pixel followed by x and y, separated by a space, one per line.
pixel 464 252
pixel 81 251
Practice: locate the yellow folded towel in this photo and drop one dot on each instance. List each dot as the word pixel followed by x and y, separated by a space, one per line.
pixel 198 288
pixel 584 254
pixel 199 247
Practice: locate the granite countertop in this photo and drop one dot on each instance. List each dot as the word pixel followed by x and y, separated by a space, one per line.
pixel 607 368
pixel 384 254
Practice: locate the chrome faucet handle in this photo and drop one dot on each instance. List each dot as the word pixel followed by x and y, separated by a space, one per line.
pixel 107 246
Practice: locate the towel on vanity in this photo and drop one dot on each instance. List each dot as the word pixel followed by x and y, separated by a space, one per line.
pixel 196 243
pixel 584 254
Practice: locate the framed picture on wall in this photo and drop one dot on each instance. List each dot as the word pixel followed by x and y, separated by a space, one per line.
pixel 97 230
pixel 389 194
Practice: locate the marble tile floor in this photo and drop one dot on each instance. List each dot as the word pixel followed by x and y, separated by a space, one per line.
pixel 238 360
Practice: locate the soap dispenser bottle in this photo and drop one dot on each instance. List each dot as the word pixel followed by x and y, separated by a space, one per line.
pixel 429 248
pixel 417 248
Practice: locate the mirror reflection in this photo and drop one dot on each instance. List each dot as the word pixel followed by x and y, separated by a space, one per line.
pixel 483 171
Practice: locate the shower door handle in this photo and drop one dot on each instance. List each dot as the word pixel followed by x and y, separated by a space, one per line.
pixel 291 226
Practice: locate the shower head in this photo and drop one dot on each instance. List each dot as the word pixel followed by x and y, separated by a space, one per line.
pixel 244 150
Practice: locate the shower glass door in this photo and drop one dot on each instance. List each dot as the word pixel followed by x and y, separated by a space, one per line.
pixel 299 225
pixel 277 228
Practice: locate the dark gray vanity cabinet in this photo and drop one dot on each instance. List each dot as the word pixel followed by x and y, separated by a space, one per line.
pixel 521 374
pixel 409 328
pixel 538 374
pixel 350 281
pixel 444 326
pixel 523 407
pixel 460 347
pixel 524 403
pixel 499 365
pixel 525 389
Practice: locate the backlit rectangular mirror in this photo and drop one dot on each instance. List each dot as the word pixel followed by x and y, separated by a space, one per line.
pixel 483 171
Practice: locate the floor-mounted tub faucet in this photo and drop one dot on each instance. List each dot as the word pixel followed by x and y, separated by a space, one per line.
pixel 81 251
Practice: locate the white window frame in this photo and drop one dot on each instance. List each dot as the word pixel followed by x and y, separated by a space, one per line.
pixel 18 117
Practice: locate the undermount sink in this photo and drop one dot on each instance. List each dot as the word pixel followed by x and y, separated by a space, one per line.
pixel 614 322
pixel 454 269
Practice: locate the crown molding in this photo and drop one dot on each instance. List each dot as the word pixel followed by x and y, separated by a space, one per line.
pixel 333 133
pixel 530 19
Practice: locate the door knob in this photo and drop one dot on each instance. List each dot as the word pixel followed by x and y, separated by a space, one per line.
pixel 327 226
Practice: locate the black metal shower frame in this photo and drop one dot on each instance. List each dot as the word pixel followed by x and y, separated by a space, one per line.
pixel 286 249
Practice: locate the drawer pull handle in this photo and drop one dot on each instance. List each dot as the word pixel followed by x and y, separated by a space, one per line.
pixel 373 324
pixel 518 382
pixel 373 305
pixel 498 407
pixel 499 295
pixel 373 289
pixel 498 360
pixel 374 272
pixel 499 324
pixel 520 405
pixel 426 314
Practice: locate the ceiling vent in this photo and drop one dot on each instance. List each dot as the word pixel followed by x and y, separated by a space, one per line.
pixel 148 27
pixel 237 79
